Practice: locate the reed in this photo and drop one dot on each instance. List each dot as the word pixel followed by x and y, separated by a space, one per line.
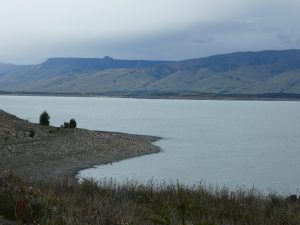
pixel 106 202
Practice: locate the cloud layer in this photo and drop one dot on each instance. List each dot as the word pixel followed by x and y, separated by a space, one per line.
pixel 34 30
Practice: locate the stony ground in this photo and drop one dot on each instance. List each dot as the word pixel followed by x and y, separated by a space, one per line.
pixel 40 152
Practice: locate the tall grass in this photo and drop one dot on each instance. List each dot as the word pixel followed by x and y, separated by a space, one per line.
pixel 68 203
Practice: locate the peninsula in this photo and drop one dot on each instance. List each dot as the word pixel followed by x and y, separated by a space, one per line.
pixel 36 152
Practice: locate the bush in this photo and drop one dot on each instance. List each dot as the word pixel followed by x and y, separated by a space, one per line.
pixel 66 125
pixel 44 119
pixel 31 133
pixel 72 123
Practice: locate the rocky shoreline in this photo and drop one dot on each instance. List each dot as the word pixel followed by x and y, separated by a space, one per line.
pixel 38 152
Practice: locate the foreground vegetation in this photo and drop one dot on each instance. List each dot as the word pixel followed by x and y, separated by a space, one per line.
pixel 67 202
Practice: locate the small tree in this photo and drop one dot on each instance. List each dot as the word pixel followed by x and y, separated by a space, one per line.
pixel 65 125
pixel 72 123
pixel 44 119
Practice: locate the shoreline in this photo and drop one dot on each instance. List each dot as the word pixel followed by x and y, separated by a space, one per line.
pixel 152 141
pixel 55 153
pixel 171 96
pixel 76 172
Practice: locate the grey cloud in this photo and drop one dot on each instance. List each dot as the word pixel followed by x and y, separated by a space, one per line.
pixel 168 29
pixel 288 39
pixel 203 40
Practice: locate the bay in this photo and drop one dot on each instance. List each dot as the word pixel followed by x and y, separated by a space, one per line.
pixel 232 143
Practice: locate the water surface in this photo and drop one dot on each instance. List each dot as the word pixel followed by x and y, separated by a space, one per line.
pixel 216 142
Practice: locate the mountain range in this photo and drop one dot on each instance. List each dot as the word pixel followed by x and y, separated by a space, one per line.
pixel 234 73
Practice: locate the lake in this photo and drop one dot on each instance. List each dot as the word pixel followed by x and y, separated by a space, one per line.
pixel 232 143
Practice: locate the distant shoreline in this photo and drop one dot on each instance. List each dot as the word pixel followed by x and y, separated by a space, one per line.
pixel 169 95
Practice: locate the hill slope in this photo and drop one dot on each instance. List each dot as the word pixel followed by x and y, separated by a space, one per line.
pixel 234 73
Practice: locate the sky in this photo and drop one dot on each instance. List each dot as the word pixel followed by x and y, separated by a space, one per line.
pixel 33 30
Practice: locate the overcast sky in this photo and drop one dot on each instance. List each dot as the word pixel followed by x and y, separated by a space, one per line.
pixel 33 30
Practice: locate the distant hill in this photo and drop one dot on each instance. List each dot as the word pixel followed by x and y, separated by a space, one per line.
pixel 234 73
pixel 6 68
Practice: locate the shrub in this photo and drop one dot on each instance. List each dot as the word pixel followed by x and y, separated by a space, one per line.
pixel 66 125
pixel 72 123
pixel 31 133
pixel 44 119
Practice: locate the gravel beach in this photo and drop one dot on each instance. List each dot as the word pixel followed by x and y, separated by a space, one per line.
pixel 44 152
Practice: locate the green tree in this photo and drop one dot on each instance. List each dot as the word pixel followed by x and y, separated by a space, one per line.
pixel 65 125
pixel 72 123
pixel 44 118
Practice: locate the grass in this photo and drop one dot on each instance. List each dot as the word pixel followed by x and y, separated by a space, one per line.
pixel 67 203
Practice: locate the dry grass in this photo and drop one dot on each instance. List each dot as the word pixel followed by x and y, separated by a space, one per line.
pixel 68 203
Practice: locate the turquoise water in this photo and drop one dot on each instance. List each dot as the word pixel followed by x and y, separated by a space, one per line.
pixel 231 143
